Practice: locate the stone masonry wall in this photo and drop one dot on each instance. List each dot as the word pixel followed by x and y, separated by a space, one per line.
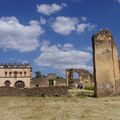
pixel 106 64
pixel 45 91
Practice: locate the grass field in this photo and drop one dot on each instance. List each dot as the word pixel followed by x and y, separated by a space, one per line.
pixel 75 106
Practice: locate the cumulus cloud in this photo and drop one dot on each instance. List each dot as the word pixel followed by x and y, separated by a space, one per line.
pixel 63 56
pixel 64 25
pixel 85 26
pixel 14 35
pixel 42 21
pixel 89 48
pixel 48 9
pixel 15 60
pixel 84 18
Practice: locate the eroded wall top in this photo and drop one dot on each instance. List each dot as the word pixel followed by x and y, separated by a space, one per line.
pixel 103 35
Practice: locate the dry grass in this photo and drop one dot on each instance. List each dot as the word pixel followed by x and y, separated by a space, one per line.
pixel 71 107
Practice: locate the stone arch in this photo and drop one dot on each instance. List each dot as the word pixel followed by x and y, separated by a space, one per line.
pixel 19 84
pixel 84 75
pixel 7 83
pixel 76 75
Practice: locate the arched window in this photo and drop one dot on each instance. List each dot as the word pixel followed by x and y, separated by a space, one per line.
pixel 25 73
pixel 20 74
pixel 10 74
pixel 19 84
pixel 76 76
pixel 15 74
pixel 5 74
pixel 7 83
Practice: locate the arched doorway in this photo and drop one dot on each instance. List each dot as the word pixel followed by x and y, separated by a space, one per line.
pixel 51 82
pixel 74 79
pixel 76 76
pixel 7 83
pixel 19 84
pixel 77 80
pixel 83 76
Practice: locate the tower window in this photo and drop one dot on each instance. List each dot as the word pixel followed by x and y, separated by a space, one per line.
pixel 5 74
pixel 25 73
pixel 15 74
pixel 10 74
pixel 20 74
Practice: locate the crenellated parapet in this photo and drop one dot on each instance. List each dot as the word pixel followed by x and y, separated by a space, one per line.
pixel 15 65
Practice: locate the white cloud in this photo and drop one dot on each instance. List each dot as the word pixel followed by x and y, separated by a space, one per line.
pixel 84 18
pixel 118 1
pixel 48 9
pixel 67 47
pixel 85 26
pixel 89 48
pixel 33 22
pixel 14 35
pixel 15 60
pixel 58 57
pixel 42 21
pixel 64 25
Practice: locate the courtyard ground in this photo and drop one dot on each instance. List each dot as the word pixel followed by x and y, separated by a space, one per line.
pixel 75 106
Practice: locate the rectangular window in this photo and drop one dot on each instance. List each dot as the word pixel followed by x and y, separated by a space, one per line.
pixel 51 83
pixel 10 74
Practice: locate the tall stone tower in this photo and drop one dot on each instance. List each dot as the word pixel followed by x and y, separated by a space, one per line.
pixel 106 63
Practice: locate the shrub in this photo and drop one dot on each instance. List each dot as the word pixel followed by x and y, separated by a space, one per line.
pixel 89 87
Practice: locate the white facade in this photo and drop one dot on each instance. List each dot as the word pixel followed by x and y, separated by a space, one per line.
pixel 15 75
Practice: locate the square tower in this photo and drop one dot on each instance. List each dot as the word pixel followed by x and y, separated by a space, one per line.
pixel 106 63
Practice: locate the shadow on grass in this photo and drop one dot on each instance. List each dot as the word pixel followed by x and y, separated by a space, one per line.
pixel 85 94
pixel 80 93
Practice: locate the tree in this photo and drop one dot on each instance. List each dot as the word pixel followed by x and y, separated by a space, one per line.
pixel 59 77
pixel 38 74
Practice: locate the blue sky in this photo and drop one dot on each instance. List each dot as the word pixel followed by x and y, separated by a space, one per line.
pixel 54 34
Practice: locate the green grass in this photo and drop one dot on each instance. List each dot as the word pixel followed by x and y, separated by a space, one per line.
pixel 74 106
pixel 89 87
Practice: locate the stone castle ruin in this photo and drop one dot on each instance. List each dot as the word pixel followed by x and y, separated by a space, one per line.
pixel 84 76
pixel 16 80
pixel 106 64
pixel 106 73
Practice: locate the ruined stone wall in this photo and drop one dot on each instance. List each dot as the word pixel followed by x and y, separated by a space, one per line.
pixel 106 64
pixel 45 91
pixel 60 82
pixel 84 76
pixel 44 82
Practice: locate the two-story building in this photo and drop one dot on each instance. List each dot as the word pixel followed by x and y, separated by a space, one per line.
pixel 15 75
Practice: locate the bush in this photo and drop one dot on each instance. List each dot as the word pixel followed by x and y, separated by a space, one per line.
pixel 89 87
